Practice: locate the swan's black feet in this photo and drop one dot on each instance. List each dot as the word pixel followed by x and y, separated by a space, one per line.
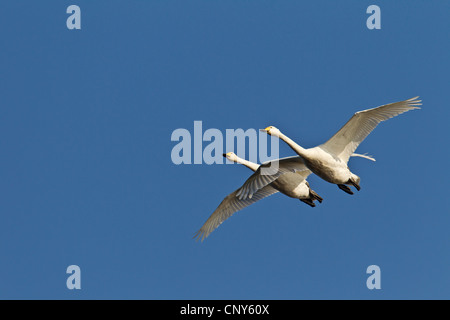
pixel 353 183
pixel 345 188
pixel 308 202
pixel 314 196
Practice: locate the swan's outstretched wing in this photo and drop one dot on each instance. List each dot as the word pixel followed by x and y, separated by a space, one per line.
pixel 348 138
pixel 260 178
pixel 227 207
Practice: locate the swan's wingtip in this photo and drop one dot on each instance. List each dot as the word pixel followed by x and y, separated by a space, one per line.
pixel 199 235
pixel 415 102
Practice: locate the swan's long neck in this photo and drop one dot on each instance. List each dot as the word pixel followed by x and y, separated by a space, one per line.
pixel 248 164
pixel 294 146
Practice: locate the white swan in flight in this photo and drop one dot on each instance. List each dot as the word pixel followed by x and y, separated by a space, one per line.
pixel 289 179
pixel 329 160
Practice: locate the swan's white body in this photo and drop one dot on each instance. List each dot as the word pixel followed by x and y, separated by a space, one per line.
pixel 329 160
pixel 293 184
pixel 290 179
pixel 327 166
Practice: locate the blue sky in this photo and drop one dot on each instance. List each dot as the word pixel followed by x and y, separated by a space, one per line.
pixel 87 179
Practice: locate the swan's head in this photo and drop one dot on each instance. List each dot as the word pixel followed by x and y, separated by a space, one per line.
pixel 271 130
pixel 230 156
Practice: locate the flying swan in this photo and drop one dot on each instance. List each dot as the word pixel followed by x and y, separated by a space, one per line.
pixel 288 177
pixel 329 160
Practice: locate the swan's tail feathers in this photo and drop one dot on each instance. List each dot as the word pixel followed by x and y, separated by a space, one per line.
pixel 315 196
pixel 365 156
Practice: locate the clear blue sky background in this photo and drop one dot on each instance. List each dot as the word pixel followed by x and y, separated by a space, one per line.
pixel 86 174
